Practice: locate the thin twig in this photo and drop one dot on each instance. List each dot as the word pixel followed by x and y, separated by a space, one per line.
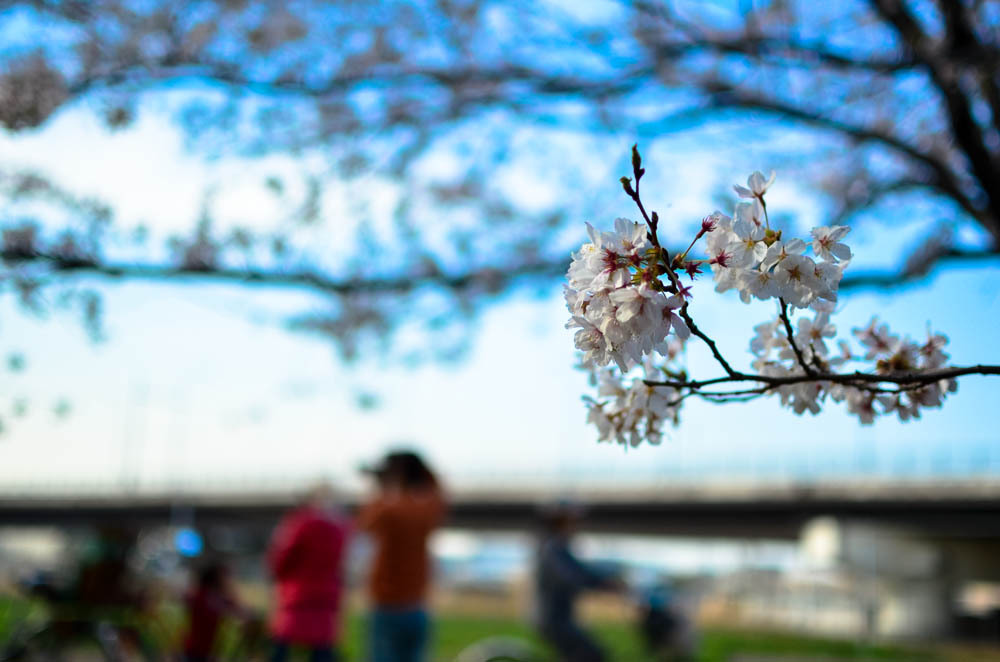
pixel 738 398
pixel 674 279
pixel 791 339
pixel 726 394
pixel 708 341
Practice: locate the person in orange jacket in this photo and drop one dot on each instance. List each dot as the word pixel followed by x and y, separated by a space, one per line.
pixel 408 506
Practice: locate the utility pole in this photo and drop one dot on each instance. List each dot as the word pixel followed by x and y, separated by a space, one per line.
pixel 133 437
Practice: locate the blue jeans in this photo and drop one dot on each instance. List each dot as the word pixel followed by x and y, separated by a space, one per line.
pixel 399 634
pixel 323 654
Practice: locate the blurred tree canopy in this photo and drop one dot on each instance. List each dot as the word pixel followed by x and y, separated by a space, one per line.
pixel 448 127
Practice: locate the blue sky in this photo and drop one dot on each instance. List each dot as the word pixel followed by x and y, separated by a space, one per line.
pixel 201 383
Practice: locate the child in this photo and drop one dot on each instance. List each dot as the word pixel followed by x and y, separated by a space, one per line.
pixel 208 602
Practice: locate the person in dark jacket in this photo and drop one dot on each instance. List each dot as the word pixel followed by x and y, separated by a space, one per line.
pixel 306 559
pixel 560 579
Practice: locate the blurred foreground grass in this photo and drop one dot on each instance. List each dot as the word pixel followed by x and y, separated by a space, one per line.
pixel 455 631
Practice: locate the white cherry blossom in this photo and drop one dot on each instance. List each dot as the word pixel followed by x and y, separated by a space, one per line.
pixel 762 284
pixel 756 185
pixel 812 333
pixel 930 352
pixel 826 243
pixel 749 247
pixel 749 212
pixel 766 338
pixel 722 236
pixel 672 320
pixel 800 289
pixel 828 275
pixel 779 250
pixel 584 267
pixel 877 338
pixel 713 221
pixel 589 340
pixel 893 404
pixel 861 404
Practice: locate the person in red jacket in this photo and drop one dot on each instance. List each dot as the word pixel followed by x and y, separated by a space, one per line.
pixel 306 559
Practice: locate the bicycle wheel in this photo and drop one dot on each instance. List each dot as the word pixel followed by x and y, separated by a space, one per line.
pixel 124 644
pixel 500 649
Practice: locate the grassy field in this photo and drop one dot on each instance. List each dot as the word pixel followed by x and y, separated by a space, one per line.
pixel 453 632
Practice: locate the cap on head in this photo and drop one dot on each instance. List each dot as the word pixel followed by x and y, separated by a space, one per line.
pixel 406 467
pixel 560 512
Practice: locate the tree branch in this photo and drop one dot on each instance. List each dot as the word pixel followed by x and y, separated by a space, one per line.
pixel 923 378
pixel 877 280
pixel 708 341
pixel 966 130
pixel 451 77
pixel 783 313
pixel 759 47
pixel 485 277
pixel 725 96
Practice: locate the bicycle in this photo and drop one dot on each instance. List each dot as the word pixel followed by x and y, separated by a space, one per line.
pixel 664 628
pixel 69 627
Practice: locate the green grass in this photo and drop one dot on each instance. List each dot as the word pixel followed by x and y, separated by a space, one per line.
pixel 719 645
pixel 716 645
pixel 453 632
pixel 14 612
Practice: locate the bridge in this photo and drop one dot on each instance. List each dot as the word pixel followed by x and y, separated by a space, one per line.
pixel 948 490
pixel 939 509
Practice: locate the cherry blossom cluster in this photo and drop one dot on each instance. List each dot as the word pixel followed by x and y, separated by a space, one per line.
pixel 891 354
pixel 746 254
pixel 630 312
pixel 632 411
pixel 617 300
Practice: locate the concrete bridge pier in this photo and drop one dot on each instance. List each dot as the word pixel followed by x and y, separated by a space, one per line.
pixel 904 586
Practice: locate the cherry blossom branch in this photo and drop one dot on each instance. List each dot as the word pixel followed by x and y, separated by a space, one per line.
pixel 812 374
pixel 744 395
pixel 695 331
pixel 725 395
pixel 783 308
pixel 911 379
pixel 651 223
pixel 618 300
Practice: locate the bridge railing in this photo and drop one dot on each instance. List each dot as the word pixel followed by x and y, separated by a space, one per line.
pixel 888 464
